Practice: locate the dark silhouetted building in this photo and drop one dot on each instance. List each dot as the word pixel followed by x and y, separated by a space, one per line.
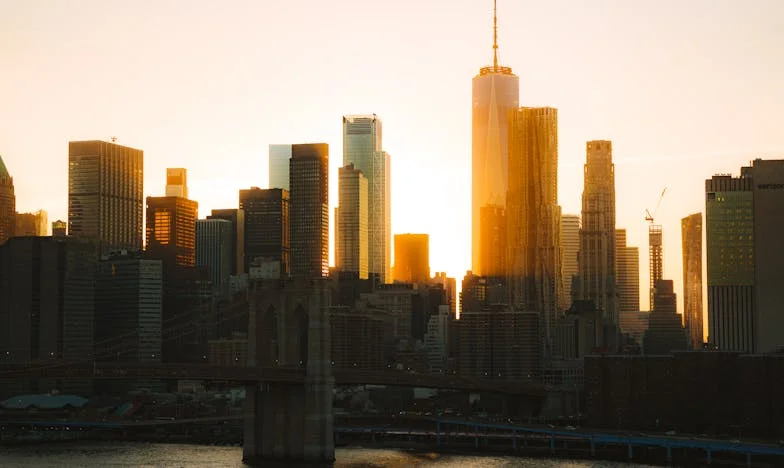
pixel 665 330
pixel 357 338
pixel 237 218
pixel 691 241
pixel 309 181
pixel 267 228
pixel 450 287
pixel 412 258
pixel 46 299
pixel 498 343
pixel 694 392
pixel 7 204
pixel 106 194
pixel 129 301
pixel 214 241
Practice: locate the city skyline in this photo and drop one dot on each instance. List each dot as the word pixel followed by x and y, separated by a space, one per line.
pixel 705 136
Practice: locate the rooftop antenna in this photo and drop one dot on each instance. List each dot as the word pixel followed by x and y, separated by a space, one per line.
pixel 495 35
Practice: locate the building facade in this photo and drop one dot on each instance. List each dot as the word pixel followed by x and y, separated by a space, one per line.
pixel 7 204
pixel 691 241
pixel 627 279
pixel 309 182
pixel 237 219
pixel 492 233
pixel 106 194
pixel 412 258
pixel 46 299
pixel 533 217
pixel 267 227
pixel 171 232
pixel 362 147
pixel 31 224
pixel 597 235
pixel 214 241
pixel 743 231
pixel 729 238
pixel 570 246
pixel 129 296
pixel 351 222
pixel 177 182
pixel 59 228
pixel 279 157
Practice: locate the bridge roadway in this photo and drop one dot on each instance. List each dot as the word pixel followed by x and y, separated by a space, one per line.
pixel 251 375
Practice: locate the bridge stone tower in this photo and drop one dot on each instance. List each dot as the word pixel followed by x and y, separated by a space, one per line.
pixel 289 327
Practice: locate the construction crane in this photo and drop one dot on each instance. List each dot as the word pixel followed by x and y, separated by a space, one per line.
pixel 648 215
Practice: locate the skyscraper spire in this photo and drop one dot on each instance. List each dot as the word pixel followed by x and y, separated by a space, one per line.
pixel 495 35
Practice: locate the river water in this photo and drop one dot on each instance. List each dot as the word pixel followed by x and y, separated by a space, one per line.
pixel 86 454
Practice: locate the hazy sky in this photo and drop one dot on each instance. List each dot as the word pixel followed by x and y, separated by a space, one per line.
pixel 684 89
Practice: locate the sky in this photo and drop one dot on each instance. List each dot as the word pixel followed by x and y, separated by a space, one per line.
pixel 684 90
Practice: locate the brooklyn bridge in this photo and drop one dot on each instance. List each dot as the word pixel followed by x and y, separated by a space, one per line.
pixel 289 377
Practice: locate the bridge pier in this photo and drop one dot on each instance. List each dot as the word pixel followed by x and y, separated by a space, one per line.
pixel 287 421
pixel 274 428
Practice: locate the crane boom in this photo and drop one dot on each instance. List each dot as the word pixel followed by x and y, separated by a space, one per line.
pixel 650 216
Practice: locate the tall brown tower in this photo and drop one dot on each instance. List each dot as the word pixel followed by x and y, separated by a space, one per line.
pixel 106 194
pixel 309 181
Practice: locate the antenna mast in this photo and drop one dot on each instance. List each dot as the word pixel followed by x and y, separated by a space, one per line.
pixel 495 35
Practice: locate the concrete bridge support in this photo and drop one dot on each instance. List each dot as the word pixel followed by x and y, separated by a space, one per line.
pixel 283 421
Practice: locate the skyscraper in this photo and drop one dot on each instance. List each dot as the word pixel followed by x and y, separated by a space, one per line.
pixel 412 258
pixel 237 219
pixel 177 182
pixel 279 156
pixel 48 295
pixel 362 148
pixel 214 242
pixel 743 238
pixel 729 238
pixel 171 232
pixel 655 257
pixel 7 204
pixel 627 281
pixel 691 241
pixel 309 176
pixel 351 222
pixel 597 236
pixel 267 228
pixel 494 93
pixel 106 194
pixel 533 217
pixel 570 246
